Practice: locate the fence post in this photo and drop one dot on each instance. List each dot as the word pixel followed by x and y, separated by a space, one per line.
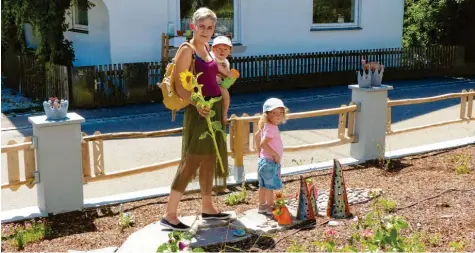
pixel 459 57
pixel 370 122
pixel 239 142
pixel 59 163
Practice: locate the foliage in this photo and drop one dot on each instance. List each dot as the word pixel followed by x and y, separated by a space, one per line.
pixel 430 22
pixel 382 161
pixel 457 246
pixel 47 19
pixel 296 247
pixel 222 8
pixel 380 231
pixel 236 198
pixel 125 219
pixel 23 236
pixel 178 242
pixel 462 163
pixel 328 11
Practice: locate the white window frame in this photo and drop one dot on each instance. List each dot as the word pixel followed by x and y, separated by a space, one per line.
pixel 237 19
pixel 355 24
pixel 73 19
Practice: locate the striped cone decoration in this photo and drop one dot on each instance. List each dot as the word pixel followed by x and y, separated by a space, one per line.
pixel 304 209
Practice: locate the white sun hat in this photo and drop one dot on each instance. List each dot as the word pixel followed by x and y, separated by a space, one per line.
pixel 222 40
pixel 271 104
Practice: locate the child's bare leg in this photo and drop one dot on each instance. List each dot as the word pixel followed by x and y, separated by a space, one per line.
pixel 226 102
pixel 262 196
pixel 270 197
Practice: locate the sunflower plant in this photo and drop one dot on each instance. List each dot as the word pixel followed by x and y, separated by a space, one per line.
pixel 190 83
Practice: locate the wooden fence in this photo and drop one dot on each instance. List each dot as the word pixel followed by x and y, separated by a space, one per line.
pixel 120 84
pixel 286 71
pixel 25 75
pixel 116 84
pixel 239 132
pixel 13 151
pixel 466 110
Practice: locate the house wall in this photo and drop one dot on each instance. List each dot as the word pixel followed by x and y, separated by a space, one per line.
pixel 93 48
pixel 267 27
pixel 284 27
pixel 136 29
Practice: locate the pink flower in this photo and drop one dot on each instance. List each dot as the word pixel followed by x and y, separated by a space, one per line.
pixel 367 233
pixel 182 245
pixel 363 61
pixel 331 232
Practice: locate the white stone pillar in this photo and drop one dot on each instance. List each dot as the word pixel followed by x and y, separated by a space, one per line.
pixel 59 163
pixel 370 121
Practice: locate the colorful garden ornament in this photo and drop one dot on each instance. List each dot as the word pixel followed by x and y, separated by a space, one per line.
pixel 281 212
pixel 338 206
pixel 313 197
pixel 304 209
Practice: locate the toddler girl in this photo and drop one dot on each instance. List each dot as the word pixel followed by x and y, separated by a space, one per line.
pixel 270 147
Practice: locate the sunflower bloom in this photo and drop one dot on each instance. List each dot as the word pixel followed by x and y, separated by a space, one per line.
pixel 186 78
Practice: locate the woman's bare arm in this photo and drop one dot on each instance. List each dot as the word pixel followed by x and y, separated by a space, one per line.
pixel 182 63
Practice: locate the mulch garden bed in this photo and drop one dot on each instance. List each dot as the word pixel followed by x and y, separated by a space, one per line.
pixel 430 195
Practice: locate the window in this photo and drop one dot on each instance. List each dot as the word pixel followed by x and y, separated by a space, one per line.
pixel 79 15
pixel 335 13
pixel 226 10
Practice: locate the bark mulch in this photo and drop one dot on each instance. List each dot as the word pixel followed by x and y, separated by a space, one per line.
pixel 429 193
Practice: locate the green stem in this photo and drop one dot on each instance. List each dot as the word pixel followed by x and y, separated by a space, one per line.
pixel 213 136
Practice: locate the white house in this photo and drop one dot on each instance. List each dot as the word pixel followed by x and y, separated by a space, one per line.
pixel 124 31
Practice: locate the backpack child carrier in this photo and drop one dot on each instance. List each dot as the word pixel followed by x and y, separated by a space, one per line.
pixel 171 99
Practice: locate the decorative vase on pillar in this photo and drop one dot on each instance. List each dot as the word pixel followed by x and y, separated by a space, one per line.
pixel 56 109
pixel 372 74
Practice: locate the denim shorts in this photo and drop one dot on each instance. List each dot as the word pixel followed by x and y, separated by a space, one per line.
pixel 268 174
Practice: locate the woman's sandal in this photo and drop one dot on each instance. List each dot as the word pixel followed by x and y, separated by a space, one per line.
pixel 216 216
pixel 177 227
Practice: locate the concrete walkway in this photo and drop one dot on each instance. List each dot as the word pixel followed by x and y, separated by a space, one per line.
pixel 206 233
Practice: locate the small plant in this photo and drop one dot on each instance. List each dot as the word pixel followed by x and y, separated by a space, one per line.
pixel 462 163
pixel 434 240
pixel 178 242
pixel 383 163
pixel 301 162
pixel 23 236
pixel 126 220
pixel 296 247
pixel 328 244
pixel 387 205
pixel 457 246
pixel 237 198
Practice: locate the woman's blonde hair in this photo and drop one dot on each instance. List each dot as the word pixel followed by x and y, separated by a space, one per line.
pixel 263 120
pixel 204 13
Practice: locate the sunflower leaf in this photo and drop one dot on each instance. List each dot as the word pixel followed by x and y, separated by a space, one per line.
pixel 217 125
pixel 212 113
pixel 203 135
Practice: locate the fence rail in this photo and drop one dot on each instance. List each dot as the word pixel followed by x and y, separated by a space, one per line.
pixel 466 110
pixel 12 150
pixel 239 129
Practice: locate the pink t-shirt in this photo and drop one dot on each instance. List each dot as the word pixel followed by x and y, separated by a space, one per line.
pixel 272 131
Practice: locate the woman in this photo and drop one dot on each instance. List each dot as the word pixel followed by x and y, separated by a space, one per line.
pixel 196 153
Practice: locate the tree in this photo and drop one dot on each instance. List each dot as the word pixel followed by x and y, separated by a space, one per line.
pixel 47 17
pixel 449 22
